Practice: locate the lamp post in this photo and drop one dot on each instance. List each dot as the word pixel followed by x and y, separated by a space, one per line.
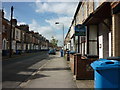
pixel 63 31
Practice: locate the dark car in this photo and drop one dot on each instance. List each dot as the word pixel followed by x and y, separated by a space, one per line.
pixel 52 51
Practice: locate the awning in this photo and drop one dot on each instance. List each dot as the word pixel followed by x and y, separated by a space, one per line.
pixel 101 13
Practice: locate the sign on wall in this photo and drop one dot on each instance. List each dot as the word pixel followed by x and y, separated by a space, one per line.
pixel 80 30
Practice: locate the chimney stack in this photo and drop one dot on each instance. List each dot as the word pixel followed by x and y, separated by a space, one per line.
pixel 3 13
pixel 24 27
pixel 14 22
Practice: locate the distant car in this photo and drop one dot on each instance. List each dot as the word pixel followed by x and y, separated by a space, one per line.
pixel 52 51
pixel 72 52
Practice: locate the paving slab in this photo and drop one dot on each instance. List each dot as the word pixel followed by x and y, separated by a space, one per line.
pixel 85 83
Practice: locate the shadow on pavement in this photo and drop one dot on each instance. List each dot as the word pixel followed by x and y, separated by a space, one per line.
pixel 39 76
pixel 54 69
pixel 17 70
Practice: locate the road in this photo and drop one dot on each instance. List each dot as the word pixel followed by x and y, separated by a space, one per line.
pixel 17 70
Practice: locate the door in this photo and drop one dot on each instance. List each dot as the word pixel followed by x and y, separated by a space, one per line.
pixel 101 46
pixel 110 46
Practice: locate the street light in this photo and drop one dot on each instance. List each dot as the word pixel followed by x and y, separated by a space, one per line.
pixel 63 31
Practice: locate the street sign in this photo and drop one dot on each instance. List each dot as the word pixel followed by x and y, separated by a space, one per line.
pixel 80 30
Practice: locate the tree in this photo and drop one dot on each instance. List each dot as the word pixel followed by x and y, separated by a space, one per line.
pixel 54 41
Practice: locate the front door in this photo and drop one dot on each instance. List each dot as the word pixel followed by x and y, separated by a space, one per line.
pixel 101 46
pixel 110 47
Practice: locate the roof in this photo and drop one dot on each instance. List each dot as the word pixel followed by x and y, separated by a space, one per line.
pixel 101 13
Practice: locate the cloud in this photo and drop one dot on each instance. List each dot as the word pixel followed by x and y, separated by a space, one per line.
pixel 64 12
pixel 55 7
pixel 21 23
pixel 58 0
pixel 44 0
pixel 6 15
pixel 46 31
pixel 66 21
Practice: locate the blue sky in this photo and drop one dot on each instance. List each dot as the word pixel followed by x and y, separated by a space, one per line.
pixel 41 16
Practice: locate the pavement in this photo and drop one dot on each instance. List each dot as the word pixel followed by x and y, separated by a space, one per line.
pixel 56 73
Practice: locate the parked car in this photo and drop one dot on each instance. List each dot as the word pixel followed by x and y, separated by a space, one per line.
pixel 72 52
pixel 52 51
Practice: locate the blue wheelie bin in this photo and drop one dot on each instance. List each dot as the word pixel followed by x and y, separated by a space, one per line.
pixel 106 73
pixel 62 52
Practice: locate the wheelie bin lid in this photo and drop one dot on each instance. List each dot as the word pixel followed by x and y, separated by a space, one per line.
pixel 103 64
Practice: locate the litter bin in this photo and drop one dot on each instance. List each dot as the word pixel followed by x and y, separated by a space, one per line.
pixel 106 73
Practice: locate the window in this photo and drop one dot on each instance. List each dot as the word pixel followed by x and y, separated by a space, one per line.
pixel 3 28
pixel 17 34
pixel 4 44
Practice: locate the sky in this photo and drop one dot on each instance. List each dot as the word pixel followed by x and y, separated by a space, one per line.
pixel 41 16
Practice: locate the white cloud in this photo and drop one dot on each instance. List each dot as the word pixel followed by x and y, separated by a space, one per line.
pixel 57 0
pixel 63 10
pixel 68 8
pixel 6 15
pixel 46 31
pixel 62 20
pixel 59 37
pixel 43 0
pixel 21 23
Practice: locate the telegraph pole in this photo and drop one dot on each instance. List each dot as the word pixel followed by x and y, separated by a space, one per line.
pixel 10 41
pixel 63 36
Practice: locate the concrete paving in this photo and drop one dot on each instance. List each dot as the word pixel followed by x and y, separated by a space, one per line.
pixel 85 84
pixel 56 74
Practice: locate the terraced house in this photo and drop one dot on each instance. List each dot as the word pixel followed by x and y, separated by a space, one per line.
pixel 23 40
pixel 102 22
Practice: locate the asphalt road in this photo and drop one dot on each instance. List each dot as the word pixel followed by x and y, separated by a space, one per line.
pixel 18 70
